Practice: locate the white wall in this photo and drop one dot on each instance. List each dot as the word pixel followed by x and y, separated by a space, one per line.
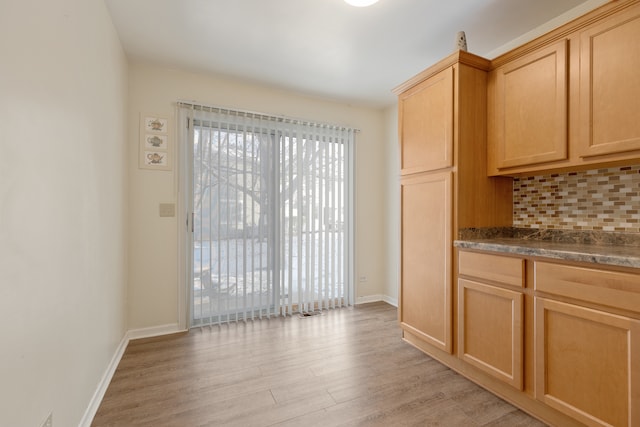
pixel 392 204
pixel 62 206
pixel 153 240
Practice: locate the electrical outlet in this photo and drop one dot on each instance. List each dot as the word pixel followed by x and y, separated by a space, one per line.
pixel 49 421
pixel 363 279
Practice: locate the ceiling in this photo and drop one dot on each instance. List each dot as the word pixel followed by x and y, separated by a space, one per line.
pixel 324 48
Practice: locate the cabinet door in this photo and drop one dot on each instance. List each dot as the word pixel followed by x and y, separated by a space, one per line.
pixel 490 330
pixel 426 124
pixel 528 121
pixel 588 363
pixel 425 297
pixel 610 85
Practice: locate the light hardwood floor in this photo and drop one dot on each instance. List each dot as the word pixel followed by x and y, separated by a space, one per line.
pixel 346 367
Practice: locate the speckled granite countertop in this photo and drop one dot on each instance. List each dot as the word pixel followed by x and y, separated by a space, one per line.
pixel 617 249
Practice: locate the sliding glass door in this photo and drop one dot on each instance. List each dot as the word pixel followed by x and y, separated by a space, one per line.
pixel 271 203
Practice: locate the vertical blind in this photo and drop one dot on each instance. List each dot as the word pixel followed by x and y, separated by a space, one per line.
pixel 272 206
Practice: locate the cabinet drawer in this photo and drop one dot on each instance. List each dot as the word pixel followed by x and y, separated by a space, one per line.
pixel 496 268
pixel 609 288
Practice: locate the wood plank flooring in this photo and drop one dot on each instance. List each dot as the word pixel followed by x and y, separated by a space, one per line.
pixel 346 367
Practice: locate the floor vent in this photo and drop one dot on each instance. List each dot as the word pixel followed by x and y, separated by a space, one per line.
pixel 309 314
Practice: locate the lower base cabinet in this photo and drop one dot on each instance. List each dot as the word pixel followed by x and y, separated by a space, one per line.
pixel 490 330
pixel 559 339
pixel 588 363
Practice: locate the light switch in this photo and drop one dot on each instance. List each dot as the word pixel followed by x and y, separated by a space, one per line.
pixel 167 209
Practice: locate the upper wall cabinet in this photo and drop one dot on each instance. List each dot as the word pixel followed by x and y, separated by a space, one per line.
pixel 610 85
pixel 568 100
pixel 426 124
pixel 528 108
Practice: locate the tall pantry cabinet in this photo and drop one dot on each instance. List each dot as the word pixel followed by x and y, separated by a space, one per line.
pixel 444 188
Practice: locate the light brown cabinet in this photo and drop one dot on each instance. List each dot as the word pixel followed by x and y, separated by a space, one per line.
pixel 444 186
pixel 588 363
pixel 559 340
pixel 490 330
pixel 610 86
pixel 564 336
pixel 587 360
pixel 425 114
pixel 491 315
pixel 425 296
pixel 568 100
pixel 528 109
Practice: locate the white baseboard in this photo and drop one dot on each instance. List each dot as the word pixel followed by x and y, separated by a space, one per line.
pixel 154 331
pixel 96 399
pixel 376 298
pixel 389 300
pixel 133 334
pixel 368 298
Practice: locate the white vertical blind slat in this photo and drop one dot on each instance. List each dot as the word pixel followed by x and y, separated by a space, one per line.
pixel 227 181
pixel 206 141
pixel 313 207
pixel 237 216
pixel 341 220
pixel 326 211
pixel 302 303
pixel 252 229
pixel 322 235
pixel 349 236
pixel 291 222
pixel 323 225
pixel 275 225
pixel 216 234
pixel 332 233
pixel 245 259
pixel 312 217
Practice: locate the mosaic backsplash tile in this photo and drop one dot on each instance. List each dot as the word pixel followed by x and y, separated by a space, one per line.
pixel 599 199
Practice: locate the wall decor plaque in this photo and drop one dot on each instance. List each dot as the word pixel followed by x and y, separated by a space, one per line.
pixel 154 152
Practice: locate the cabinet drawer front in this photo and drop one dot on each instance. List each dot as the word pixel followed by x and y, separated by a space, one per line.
pixel 610 288
pixel 496 268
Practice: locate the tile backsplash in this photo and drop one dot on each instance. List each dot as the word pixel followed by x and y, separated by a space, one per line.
pixel 599 199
